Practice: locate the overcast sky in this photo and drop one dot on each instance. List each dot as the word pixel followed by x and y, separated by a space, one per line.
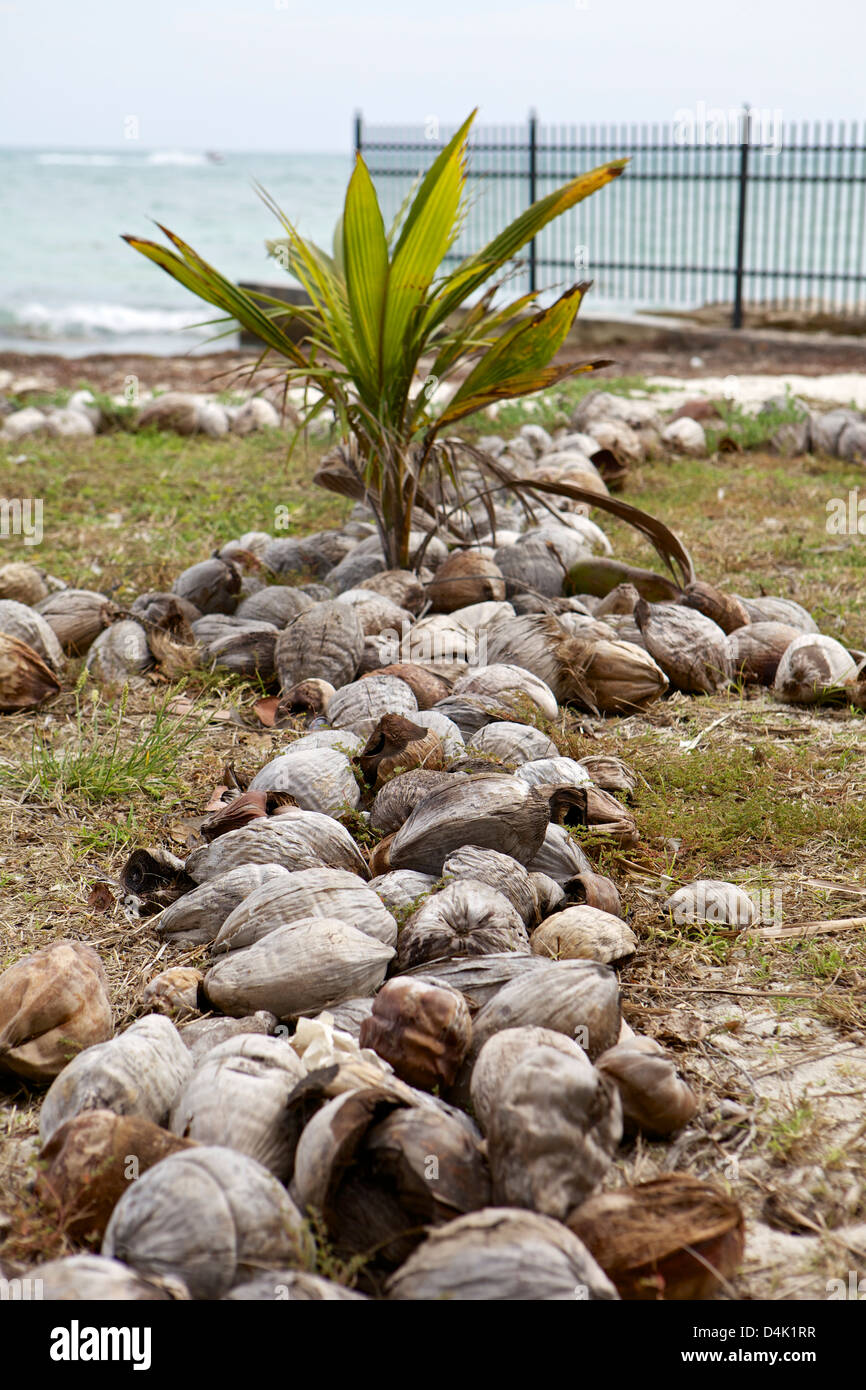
pixel 286 75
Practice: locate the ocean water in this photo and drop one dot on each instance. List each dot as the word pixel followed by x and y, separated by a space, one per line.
pixel 69 284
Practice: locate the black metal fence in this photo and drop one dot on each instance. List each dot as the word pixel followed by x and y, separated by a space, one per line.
pixel 733 209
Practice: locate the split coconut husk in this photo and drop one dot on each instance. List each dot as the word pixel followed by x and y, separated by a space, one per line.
pixel 26 681
pixel 674 1238
pixel 812 669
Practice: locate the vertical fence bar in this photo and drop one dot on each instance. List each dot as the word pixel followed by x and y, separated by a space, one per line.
pixel 533 192
pixel 737 316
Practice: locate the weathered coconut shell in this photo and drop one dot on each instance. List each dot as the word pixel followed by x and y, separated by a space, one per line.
pixel 477 978
pixel 213 586
pixel 25 680
pixel 204 1034
pixel 17 620
pixel 559 856
pixel 210 1215
pixel 725 610
pixel 239 811
pixel 318 779
pixel 195 919
pixel 156 876
pixel 466 918
pixel 500 1055
pixel 299 968
pixel 512 743
pixel 139 1072
pixel 401 889
pixel 440 638
pixel 584 933
pixel 811 668
pixel 248 652
pixel 276 603
pixel 120 653
pixel 595 890
pixel 92 1278
pixel 174 991
pixel 158 608
pixel 396 801
pixel 363 1162
pixel 397 745
pixel 655 1101
pixel 426 685
pixel 463 578
pixel 77 616
pixel 471 712
pixel 343 740
pixel 491 811
pixel 498 1255
pixel 577 997
pixel 510 681
pixel 499 871
pixel 324 643
pixel 53 1004
pixel 691 649
pixel 293 838
pixel 553 770
pixel 401 586
pixel 553 1129
pixel 237 1097
pixel 477 616
pixel 422 1030
pixel 673 1238
pixel 308 893
pixel 778 610
pixel 710 900
pixel 755 651
pixel 90 1161
pixel 360 705
pixel 23 583
pixel 607 773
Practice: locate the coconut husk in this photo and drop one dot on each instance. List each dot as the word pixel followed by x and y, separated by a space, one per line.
pixel 90 1161
pixel 596 890
pixel 690 649
pixel 755 651
pixel 427 687
pixel 813 669
pixel 25 679
pixel 673 1238
pixel 724 609
pixel 53 1004
pixel 22 583
pixel 422 1030
pixel 655 1100
pixel 397 743
pixel 600 576
pixel 463 578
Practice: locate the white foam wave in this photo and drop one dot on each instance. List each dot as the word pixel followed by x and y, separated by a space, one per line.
pixel 99 320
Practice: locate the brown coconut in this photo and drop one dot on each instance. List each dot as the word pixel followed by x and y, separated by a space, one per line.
pixel 25 680
pixel 756 650
pixel 465 577
pixel 424 1031
pixel 53 1004
pixel 90 1161
pixel 724 609
pixel 673 1238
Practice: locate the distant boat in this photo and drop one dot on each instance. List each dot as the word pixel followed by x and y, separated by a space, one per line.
pixel 214 157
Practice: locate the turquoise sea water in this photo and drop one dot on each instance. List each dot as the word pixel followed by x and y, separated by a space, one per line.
pixel 69 284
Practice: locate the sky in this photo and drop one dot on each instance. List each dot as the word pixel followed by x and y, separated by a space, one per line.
pixel 286 75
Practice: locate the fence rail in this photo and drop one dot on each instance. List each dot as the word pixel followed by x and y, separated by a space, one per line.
pixel 770 216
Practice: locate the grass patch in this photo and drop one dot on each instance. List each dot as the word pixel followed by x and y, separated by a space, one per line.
pixel 96 761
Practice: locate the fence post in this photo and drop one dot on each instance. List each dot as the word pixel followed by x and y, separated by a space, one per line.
pixel 533 190
pixel 358 132
pixel 737 316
